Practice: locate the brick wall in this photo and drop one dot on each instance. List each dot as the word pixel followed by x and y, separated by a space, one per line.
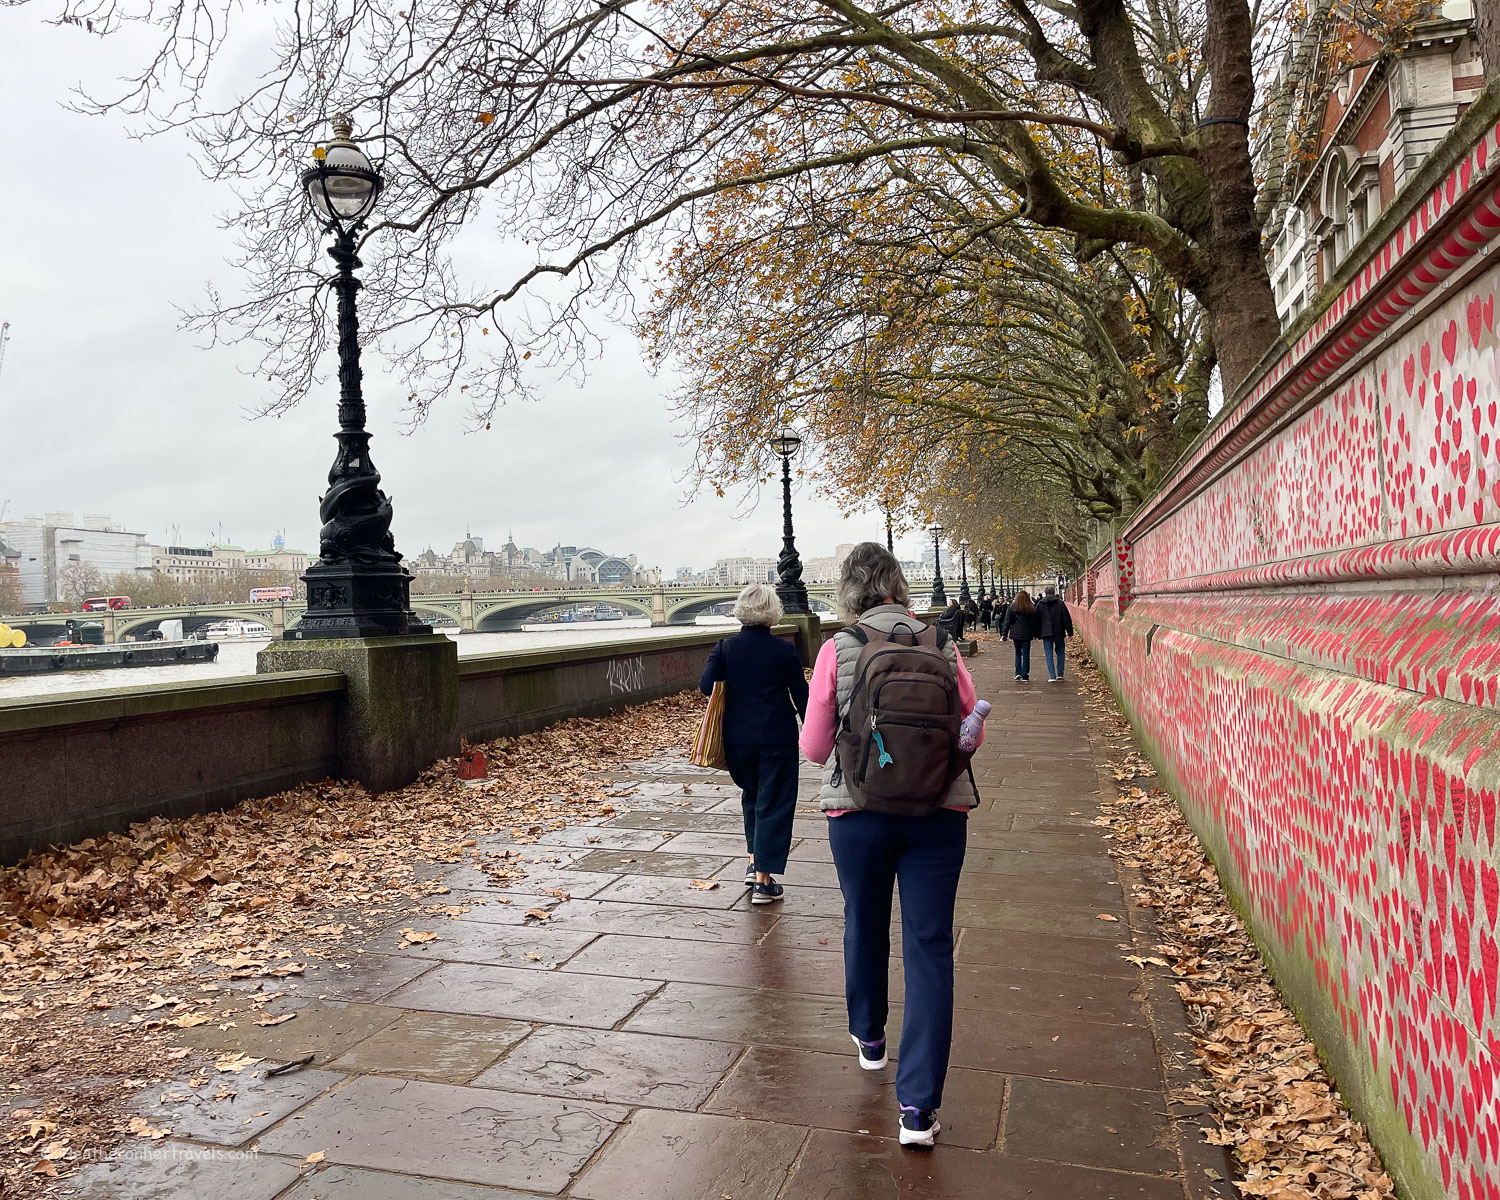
pixel 1309 643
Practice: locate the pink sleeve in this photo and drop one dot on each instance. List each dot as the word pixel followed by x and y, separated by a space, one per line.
pixel 822 706
pixel 966 696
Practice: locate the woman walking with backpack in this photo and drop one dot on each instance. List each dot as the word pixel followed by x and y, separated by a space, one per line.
pixel 888 696
pixel 1022 627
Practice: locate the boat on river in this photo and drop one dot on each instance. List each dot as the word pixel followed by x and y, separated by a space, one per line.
pixel 40 660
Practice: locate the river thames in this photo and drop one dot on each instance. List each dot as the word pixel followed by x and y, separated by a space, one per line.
pixel 238 657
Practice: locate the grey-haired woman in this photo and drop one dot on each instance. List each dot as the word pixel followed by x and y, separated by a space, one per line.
pixel 765 692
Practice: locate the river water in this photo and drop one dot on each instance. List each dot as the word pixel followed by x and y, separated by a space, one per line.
pixel 238 658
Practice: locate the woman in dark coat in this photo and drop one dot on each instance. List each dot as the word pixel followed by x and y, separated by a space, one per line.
pixel 765 691
pixel 1021 627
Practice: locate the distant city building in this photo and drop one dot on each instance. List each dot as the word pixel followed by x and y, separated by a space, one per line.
pixel 55 549
pixel 197 564
pixel 569 565
pixel 743 570
pixel 826 569
pixel 1381 120
pixel 10 578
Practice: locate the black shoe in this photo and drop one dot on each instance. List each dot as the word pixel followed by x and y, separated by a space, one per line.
pixel 871 1054
pixel 765 893
pixel 750 874
pixel 918 1128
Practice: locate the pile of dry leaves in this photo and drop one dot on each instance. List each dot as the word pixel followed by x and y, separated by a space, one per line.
pixel 106 944
pixel 1282 1118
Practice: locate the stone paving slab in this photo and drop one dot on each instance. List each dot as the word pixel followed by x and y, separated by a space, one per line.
pixel 649 1038
pixel 473 1135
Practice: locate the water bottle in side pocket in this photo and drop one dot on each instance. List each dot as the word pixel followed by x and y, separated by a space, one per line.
pixel 969 731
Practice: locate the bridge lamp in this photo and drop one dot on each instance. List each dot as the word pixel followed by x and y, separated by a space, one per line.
pixel 963 566
pixel 939 596
pixel 358 587
pixel 789 585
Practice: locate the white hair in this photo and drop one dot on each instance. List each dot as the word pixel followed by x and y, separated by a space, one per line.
pixel 758 604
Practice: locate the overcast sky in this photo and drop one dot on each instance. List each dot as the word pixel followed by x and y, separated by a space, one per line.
pixel 106 407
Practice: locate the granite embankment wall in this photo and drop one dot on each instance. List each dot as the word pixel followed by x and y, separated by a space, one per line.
pixel 1302 625
pixel 76 765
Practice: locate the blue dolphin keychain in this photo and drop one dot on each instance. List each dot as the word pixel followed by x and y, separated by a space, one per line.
pixel 880 742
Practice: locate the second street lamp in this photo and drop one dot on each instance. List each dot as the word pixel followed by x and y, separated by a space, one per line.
pixel 963 561
pixel 358 587
pixel 789 585
pixel 939 596
pixel 890 543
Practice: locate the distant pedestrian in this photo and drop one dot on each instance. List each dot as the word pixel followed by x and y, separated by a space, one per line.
pixel 971 613
pixel 901 816
pixel 986 612
pixel 1054 627
pixel 1021 628
pixel 765 691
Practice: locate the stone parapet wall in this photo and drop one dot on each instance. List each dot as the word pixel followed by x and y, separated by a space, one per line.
pixel 87 763
pixel 1304 628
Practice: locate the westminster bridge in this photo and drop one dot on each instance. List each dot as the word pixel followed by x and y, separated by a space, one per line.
pixel 470 612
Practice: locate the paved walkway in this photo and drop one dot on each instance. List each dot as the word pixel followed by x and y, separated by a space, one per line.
pixel 656 1040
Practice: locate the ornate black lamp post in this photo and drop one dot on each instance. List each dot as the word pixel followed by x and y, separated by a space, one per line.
pixel 789 585
pixel 890 543
pixel 939 596
pixel 979 562
pixel 963 566
pixel 358 587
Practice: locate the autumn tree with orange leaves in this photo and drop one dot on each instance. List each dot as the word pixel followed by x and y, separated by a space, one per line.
pixel 1102 147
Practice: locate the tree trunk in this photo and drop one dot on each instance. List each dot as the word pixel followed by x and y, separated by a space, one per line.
pixel 1487 26
pixel 1238 295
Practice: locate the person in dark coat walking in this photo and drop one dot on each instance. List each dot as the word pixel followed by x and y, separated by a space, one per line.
pixel 765 692
pixel 971 613
pixel 1021 628
pixel 986 611
pixel 1054 627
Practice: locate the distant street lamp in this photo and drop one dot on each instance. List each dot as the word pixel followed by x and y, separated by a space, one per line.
pixel 979 562
pixel 789 585
pixel 963 566
pixel 939 597
pixel 890 543
pixel 358 587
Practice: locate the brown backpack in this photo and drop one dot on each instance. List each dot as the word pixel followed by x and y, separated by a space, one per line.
pixel 897 747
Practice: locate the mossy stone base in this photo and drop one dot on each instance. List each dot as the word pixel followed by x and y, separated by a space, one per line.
pixel 400 708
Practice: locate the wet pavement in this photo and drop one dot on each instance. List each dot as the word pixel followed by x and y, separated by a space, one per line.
pixel 655 1037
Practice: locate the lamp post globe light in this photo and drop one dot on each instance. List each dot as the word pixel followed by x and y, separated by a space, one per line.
pixel 789 585
pixel 939 596
pixel 963 566
pixel 358 587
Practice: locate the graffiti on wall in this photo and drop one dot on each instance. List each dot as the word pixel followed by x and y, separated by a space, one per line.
pixel 625 674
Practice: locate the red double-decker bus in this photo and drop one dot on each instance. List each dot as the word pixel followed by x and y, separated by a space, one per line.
pixel 104 603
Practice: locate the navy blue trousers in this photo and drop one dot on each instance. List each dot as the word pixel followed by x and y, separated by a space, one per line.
pixel 1023 659
pixel 873 851
pixel 767 779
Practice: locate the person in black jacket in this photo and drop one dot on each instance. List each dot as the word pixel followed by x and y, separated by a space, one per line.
pixel 952 621
pixel 765 692
pixel 1021 627
pixel 986 612
pixel 1054 627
